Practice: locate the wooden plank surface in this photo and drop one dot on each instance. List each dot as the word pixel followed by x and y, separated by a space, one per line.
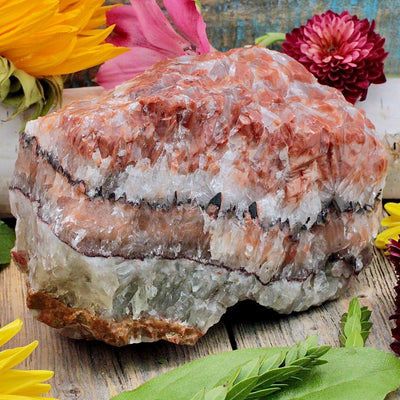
pixel 92 370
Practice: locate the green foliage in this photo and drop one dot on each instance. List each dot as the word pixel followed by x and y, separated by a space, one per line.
pixel 297 373
pixel 355 325
pixel 7 239
pixel 359 373
pixel 264 375
pixel 22 91
pixel 270 38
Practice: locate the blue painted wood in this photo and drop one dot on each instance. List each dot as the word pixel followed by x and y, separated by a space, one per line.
pixel 238 22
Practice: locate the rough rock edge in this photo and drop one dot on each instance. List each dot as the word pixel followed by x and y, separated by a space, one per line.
pixel 78 323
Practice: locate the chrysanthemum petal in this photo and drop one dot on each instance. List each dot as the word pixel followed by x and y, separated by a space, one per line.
pixel 188 20
pixel 9 331
pixel 126 66
pixel 15 356
pixel 341 51
pixel 383 237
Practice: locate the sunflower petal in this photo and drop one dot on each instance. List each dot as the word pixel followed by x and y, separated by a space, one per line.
pixel 99 17
pixel 393 209
pixel 25 382
pixel 9 331
pixel 15 356
pixel 18 397
pixel 93 37
pixel 51 39
pixel 383 237
pixel 390 221
pixel 84 58
pixel 33 19
pixel 57 51
pixel 80 13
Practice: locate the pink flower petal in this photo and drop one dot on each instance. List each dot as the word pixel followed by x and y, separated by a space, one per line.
pixel 126 66
pixel 188 20
pixel 156 28
pixel 127 32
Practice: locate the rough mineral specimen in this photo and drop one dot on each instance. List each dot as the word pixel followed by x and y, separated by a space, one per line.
pixel 145 213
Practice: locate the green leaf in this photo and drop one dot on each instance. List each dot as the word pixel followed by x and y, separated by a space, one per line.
pixel 316 352
pixel 228 380
pixel 7 239
pixel 218 393
pixel 260 394
pixel 23 91
pixel 270 38
pixel 187 380
pixel 276 375
pixel 354 340
pixel 242 389
pixel 355 325
pixel 201 395
pixel 249 369
pixel 360 373
pixel 6 70
pixel 31 92
pixel 291 355
pixel 311 342
pixel 272 362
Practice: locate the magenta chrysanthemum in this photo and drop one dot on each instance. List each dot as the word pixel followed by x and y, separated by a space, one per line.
pixel 394 257
pixel 341 51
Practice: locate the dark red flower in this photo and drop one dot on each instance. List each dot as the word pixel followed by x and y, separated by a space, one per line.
pixel 394 257
pixel 341 51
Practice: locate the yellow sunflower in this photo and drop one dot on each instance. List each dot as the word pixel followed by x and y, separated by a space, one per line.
pixel 54 37
pixel 40 40
pixel 393 224
pixel 19 384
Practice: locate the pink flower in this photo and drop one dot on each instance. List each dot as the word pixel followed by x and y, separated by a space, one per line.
pixel 144 28
pixel 341 51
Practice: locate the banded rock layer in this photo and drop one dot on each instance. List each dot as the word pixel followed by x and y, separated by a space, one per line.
pixel 206 180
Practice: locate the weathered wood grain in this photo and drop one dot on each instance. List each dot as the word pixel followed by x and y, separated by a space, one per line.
pixel 93 370
pixel 236 23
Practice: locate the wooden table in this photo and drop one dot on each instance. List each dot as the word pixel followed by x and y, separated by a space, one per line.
pixel 92 370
